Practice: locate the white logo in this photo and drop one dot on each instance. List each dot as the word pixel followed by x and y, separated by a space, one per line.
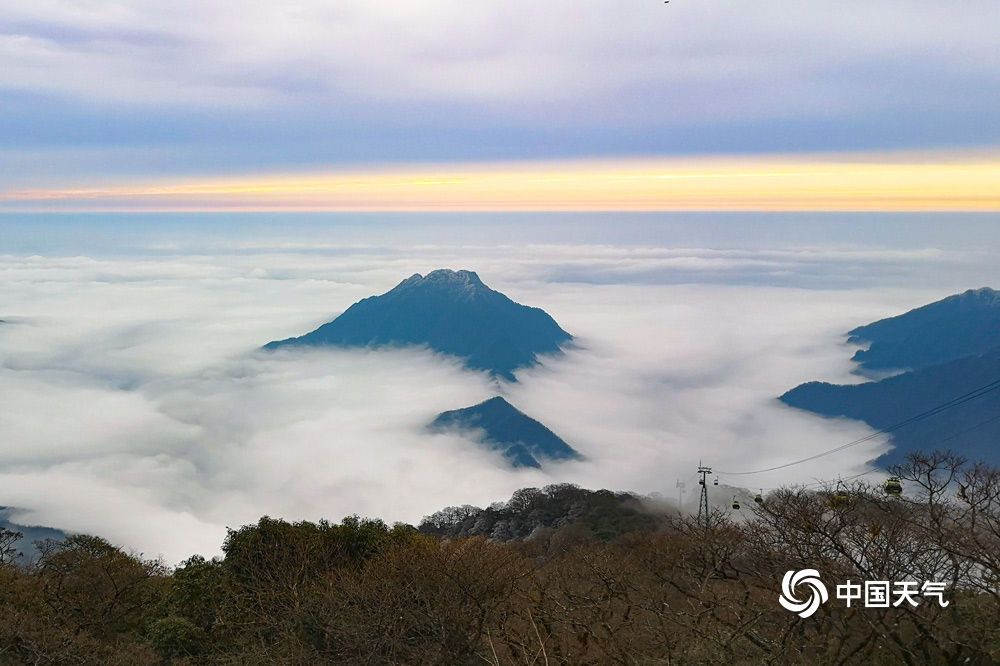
pixel 818 593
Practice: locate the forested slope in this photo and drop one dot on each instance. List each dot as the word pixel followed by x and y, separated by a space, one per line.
pixel 664 589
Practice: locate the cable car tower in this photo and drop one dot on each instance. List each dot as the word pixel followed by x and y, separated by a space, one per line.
pixel 703 503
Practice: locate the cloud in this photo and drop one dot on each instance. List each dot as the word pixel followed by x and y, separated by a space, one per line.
pixel 669 376
pixel 203 86
pixel 561 52
pixel 138 406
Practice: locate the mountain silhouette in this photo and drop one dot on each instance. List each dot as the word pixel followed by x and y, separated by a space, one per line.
pixel 502 427
pixel 30 534
pixel 971 428
pixel 451 312
pixel 948 349
pixel 965 324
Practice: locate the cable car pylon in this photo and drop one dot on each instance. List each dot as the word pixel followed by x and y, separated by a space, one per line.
pixel 703 503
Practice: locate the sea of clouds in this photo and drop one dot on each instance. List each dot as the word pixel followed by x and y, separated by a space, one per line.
pixel 137 405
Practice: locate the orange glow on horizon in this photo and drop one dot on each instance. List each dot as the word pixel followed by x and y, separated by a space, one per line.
pixel 877 182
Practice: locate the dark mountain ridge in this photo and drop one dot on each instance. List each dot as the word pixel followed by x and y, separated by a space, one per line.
pixel 949 349
pixel 29 534
pixel 521 439
pixel 971 428
pixel 965 324
pixel 452 312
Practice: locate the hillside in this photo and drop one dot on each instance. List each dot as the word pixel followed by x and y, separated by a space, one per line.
pixel 965 324
pixel 971 429
pixel 562 509
pixel 947 349
pixel 575 576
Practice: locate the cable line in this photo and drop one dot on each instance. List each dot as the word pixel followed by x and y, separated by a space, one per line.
pixel 969 429
pixel 818 483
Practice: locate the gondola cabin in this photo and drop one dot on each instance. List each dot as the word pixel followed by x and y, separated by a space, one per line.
pixel 893 487
pixel 839 497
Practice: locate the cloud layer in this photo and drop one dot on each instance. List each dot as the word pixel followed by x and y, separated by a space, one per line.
pixel 137 405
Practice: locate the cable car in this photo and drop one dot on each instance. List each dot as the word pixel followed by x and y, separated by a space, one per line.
pixel 840 496
pixel 736 503
pixel 893 486
pixel 716 481
pixel 759 497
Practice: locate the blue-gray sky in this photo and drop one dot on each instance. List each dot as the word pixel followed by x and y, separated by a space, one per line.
pixel 94 91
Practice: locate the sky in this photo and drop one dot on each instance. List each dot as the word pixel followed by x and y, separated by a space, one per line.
pixel 707 195
pixel 105 99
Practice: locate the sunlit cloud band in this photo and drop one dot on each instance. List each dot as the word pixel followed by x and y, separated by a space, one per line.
pixel 884 182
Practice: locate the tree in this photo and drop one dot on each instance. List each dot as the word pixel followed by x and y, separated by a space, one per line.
pixel 8 545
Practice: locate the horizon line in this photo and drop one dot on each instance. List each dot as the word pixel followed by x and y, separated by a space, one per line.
pixel 905 181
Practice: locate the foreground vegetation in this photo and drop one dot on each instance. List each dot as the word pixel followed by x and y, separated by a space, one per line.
pixel 583 578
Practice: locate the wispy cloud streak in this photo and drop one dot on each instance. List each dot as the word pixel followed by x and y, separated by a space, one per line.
pixel 877 182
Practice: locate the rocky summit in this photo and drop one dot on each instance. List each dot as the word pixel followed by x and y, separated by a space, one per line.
pixel 451 312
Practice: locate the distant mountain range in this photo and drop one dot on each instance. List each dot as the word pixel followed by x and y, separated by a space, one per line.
pixel 944 351
pixel 451 312
pixel 30 534
pixel 966 324
pixel 500 426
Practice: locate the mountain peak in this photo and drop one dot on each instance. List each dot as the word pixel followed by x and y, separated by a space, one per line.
pixel 984 295
pixel 461 283
pixel 452 312
pixel 446 275
pixel 503 427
